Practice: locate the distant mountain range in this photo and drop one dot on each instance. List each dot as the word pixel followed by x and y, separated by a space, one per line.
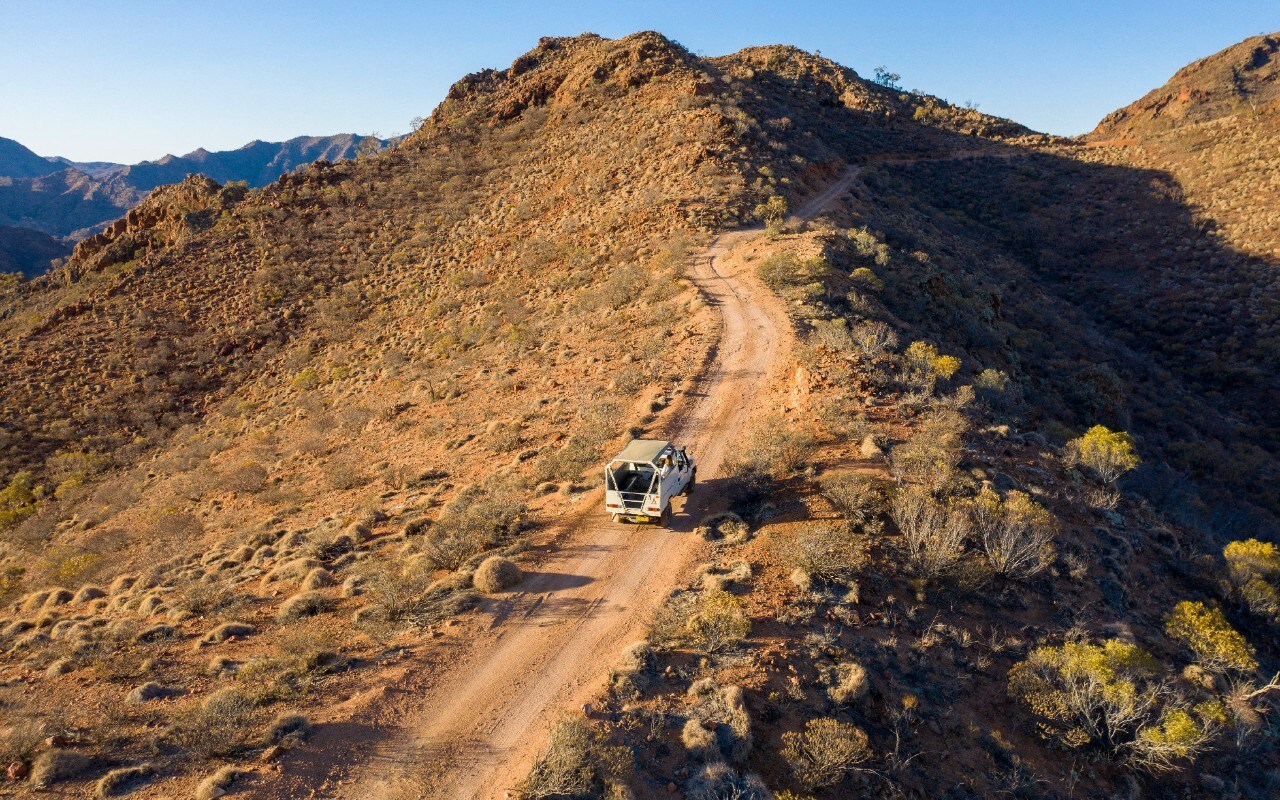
pixel 49 203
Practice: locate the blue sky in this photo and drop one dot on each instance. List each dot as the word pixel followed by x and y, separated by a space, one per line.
pixel 124 80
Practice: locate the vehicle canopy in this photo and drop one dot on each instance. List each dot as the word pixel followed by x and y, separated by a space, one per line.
pixel 643 451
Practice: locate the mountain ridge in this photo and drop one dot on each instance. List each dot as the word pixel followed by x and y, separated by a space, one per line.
pixel 316 410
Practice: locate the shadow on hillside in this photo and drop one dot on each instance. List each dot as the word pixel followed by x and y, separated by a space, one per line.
pixel 1122 306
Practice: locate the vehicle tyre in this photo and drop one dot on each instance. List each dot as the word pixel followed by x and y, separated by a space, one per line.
pixel 688 487
pixel 664 520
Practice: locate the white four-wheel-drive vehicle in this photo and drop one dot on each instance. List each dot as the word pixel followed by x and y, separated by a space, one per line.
pixel 641 480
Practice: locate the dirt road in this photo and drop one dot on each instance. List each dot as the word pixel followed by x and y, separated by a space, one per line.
pixel 472 728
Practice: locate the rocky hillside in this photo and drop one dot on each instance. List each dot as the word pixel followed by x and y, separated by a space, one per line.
pixel 1243 79
pixel 70 200
pixel 1009 530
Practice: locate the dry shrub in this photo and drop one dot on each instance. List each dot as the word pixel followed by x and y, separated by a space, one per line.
pixel 218 726
pixel 727 527
pixel 827 553
pixel 202 598
pixel 55 766
pixel 497 574
pixel 303 604
pixel 288 726
pixel 722 711
pixel 217 784
pixel 577 763
pixel 933 451
pixel 476 520
pixel 824 752
pixel 300 662
pixel 859 498
pixel 719 624
pixel 719 781
pixel 394 593
pixel 22 740
pixel 631 675
pixel 123 780
pixel 933 534
pixel 849 683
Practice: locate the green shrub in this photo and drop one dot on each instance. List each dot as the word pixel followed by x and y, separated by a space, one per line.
pixel 19 499
pixel 923 366
pixel 1253 568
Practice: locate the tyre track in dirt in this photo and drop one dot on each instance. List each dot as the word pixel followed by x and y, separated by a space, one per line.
pixel 472 726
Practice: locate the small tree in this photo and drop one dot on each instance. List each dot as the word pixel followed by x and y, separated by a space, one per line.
pixel 1206 632
pixel 1109 454
pixel 889 80
pixel 1110 695
pixel 771 210
pixel 824 752
pixel 1016 533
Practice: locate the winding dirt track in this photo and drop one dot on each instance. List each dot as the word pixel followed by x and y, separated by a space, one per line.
pixel 472 729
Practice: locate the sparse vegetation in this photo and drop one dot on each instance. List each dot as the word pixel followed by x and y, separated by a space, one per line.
pixel 577 764
pixel 825 752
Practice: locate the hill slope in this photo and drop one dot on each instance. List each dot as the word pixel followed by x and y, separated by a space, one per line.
pixel 257 443
pixel 68 200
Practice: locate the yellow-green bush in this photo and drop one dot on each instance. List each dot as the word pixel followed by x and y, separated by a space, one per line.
pixel 1252 571
pixel 1109 454
pixel 19 499
pixel 1216 644
pixel 719 623
pixel 1109 695
pixel 1015 532
pixel 923 366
